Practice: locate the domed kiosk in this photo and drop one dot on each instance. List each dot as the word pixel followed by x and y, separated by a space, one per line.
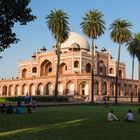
pixel 75 38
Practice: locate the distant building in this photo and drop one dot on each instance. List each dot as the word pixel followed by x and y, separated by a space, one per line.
pixel 37 75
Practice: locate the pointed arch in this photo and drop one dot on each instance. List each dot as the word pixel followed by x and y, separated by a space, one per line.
pixel 24 73
pixel 32 89
pixel 17 90
pixel 102 67
pixel 34 70
pixel 76 64
pixel 88 68
pixel 111 71
pixel 120 74
pixel 96 88
pixel 104 89
pixel 40 89
pixel 24 89
pixel 49 89
pixel 4 93
pixel 70 88
pixel 125 90
pixel 112 89
pixel 60 88
pixel 11 90
pixel 63 68
pixel 45 68
pixel 84 88
pixel 119 89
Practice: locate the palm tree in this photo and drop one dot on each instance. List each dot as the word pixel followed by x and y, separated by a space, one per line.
pixel 93 26
pixel 58 25
pixel 120 34
pixel 134 45
pixel 131 51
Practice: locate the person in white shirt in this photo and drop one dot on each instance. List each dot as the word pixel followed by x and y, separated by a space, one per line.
pixel 129 116
pixel 111 116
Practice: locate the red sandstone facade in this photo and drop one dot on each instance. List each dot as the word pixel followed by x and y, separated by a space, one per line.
pixel 36 76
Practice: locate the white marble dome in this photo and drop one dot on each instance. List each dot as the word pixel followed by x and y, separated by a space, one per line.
pixel 75 38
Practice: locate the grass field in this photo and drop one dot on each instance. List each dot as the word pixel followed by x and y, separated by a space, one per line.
pixel 76 122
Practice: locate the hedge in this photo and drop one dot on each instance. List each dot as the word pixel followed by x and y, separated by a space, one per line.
pixel 38 99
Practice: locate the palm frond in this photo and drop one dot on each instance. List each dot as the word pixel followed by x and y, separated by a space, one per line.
pixel 134 46
pixel 120 31
pixel 58 25
pixel 92 24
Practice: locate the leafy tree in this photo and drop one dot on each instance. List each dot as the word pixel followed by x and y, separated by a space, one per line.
pixel 120 33
pixel 11 12
pixel 58 25
pixel 93 26
pixel 134 49
pixel 131 51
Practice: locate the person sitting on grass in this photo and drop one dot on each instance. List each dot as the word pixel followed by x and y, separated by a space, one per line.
pixel 111 117
pixel 10 109
pixel 18 110
pixel 3 108
pixel 129 116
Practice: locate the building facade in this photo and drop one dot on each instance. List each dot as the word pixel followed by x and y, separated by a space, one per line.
pixel 36 76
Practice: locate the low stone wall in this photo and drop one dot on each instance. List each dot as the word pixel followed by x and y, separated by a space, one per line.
pixel 120 99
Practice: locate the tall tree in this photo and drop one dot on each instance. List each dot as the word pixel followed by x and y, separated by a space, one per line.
pixel 58 25
pixel 120 33
pixel 93 26
pixel 131 51
pixel 12 11
pixel 134 47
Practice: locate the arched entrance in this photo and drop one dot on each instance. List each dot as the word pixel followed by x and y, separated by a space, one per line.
pixel 24 73
pixel 70 88
pixel 88 68
pixel 45 68
pixel 40 89
pixel 32 89
pixel 17 90
pixel 119 89
pixel 96 88
pixel 112 87
pixel 63 68
pixel 60 88
pixel 4 93
pixel 24 89
pixel 102 68
pixel 49 89
pixel 11 90
pixel 84 89
pixel 104 90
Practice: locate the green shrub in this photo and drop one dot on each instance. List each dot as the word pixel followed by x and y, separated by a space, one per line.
pixel 38 99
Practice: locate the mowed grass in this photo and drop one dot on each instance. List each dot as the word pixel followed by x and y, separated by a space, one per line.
pixel 76 122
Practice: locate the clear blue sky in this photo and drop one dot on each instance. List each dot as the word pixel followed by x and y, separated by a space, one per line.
pixel 36 34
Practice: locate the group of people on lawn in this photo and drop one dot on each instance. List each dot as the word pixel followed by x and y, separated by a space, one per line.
pixel 30 104
pixel 129 117
pixel 7 109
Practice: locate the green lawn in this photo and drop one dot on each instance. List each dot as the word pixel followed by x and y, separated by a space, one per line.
pixel 81 122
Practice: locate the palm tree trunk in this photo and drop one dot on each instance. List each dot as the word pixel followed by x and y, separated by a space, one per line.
pixel 132 92
pixel 57 71
pixel 117 75
pixel 139 80
pixel 92 71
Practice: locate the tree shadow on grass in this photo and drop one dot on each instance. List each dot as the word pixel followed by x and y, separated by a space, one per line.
pixel 34 131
